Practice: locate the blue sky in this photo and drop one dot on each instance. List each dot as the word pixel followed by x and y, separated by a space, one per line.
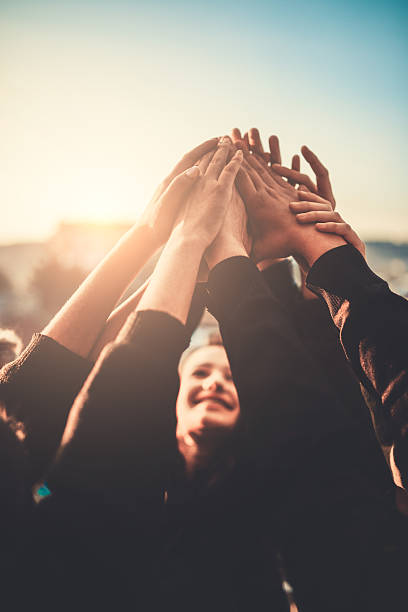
pixel 100 99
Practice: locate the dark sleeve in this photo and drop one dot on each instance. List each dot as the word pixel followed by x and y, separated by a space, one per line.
pixel 317 332
pixel 38 389
pixel 280 280
pixel 123 434
pixel 283 405
pixel 373 324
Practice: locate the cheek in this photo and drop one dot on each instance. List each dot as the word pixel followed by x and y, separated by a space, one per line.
pixel 234 395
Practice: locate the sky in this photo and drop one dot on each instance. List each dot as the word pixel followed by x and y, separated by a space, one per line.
pixel 99 99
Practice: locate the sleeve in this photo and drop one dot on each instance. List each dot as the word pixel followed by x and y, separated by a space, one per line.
pixel 373 325
pixel 122 425
pixel 284 408
pixel 38 389
pixel 279 278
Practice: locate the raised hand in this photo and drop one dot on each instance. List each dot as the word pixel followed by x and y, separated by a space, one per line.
pixel 162 211
pixel 233 238
pixel 313 209
pixel 212 195
pixel 267 201
pixel 322 187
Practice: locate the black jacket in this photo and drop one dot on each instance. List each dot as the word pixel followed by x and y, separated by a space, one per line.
pixel 337 526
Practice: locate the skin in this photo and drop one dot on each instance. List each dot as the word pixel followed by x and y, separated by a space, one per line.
pixel 207 405
pixel 173 281
pixel 80 322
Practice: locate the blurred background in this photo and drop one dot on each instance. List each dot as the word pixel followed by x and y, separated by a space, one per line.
pixel 99 99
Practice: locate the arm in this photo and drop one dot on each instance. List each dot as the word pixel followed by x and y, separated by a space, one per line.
pixel 38 389
pixel 374 331
pixel 121 428
pixel 264 351
pixel 79 323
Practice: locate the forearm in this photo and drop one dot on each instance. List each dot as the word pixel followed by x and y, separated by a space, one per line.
pixel 280 392
pixel 373 325
pixel 116 320
pixel 78 324
pixel 172 285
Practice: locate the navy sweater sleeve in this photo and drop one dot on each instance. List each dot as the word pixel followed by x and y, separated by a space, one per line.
pixel 373 324
pixel 123 434
pixel 38 389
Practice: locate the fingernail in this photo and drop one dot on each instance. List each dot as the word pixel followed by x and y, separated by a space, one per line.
pixel 239 155
pixel 225 140
pixel 193 172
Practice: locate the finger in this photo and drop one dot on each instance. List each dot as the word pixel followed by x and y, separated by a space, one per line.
pixel 219 159
pixel 228 174
pixel 295 176
pixel 258 163
pixel 180 186
pixel 246 142
pixel 192 157
pixel 269 177
pixel 255 143
pixel 295 167
pixel 313 197
pixel 204 161
pixel 296 163
pixel 322 175
pixel 255 177
pixel 319 216
pixel 303 207
pixel 236 136
pixel 245 185
pixel 275 155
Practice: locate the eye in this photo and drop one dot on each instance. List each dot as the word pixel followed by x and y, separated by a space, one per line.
pixel 228 376
pixel 200 373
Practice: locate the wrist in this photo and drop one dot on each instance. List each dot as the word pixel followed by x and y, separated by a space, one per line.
pixel 310 245
pixel 189 244
pixel 219 252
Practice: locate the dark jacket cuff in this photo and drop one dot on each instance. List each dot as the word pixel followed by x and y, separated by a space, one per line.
pixel 342 272
pixel 229 282
pixel 154 331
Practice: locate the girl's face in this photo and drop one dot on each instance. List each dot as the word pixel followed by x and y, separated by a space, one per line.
pixel 207 399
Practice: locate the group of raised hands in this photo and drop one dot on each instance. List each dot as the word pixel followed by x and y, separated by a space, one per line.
pixel 235 198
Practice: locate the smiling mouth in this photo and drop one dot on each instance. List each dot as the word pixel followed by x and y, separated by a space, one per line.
pixel 214 399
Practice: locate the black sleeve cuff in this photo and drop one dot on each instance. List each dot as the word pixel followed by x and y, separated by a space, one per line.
pixel 229 282
pixel 156 331
pixel 342 272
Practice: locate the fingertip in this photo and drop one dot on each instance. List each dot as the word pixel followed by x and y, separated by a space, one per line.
pixel 193 172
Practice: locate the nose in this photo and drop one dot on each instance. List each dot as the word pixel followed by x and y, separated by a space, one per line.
pixel 214 382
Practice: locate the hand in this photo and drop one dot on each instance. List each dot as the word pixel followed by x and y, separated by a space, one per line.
pixel 209 201
pixel 161 212
pixel 313 209
pixel 252 142
pixel 267 201
pixel 233 238
pixel 322 187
